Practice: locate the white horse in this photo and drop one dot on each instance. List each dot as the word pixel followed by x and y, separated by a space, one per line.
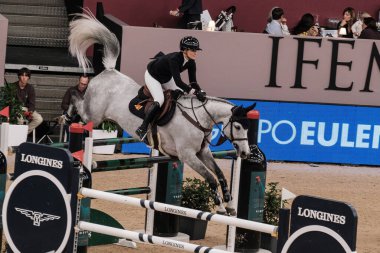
pixel 109 93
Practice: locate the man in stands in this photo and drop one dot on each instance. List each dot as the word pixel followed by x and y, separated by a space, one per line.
pixel 26 95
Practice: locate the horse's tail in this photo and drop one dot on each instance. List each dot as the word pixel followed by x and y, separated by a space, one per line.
pixel 86 31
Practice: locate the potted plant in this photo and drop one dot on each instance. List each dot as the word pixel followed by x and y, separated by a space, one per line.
pixel 196 194
pixel 106 130
pixel 272 205
pixel 8 98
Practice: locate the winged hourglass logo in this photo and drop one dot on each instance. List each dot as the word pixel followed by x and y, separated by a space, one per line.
pixel 37 217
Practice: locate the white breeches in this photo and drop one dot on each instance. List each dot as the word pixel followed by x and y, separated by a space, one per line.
pixel 157 89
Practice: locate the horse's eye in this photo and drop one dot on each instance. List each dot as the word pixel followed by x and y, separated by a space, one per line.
pixel 237 127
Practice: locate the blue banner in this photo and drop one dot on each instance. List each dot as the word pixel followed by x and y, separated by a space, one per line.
pixel 311 133
pixel 318 133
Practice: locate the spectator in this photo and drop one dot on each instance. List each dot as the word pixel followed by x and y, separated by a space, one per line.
pixel 191 11
pixel 306 26
pixel 26 95
pixel 274 25
pixel 369 29
pixel 357 26
pixel 344 26
pixel 79 89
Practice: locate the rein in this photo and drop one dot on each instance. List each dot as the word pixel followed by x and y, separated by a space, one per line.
pixel 208 131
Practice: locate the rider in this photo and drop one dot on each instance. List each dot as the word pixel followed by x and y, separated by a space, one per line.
pixel 163 73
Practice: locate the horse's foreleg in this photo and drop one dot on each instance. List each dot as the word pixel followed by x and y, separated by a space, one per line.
pixel 207 158
pixel 196 164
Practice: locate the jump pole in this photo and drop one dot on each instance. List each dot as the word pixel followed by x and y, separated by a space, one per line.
pixel 136 236
pixel 178 210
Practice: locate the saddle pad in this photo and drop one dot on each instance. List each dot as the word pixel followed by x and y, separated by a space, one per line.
pixel 137 108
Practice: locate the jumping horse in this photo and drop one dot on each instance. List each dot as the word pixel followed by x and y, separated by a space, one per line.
pixel 109 93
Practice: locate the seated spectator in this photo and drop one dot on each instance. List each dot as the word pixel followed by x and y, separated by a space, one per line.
pixel 80 89
pixel 274 26
pixel 369 29
pixel 306 26
pixel 26 95
pixel 344 26
pixel 357 26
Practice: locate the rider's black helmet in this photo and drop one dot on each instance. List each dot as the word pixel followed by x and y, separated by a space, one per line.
pixel 189 42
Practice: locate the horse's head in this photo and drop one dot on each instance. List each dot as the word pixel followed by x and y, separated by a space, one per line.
pixel 237 129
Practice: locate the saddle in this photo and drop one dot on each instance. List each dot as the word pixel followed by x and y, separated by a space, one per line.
pixel 141 103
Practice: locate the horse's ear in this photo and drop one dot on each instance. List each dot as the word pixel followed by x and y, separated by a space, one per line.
pixel 237 110
pixel 249 108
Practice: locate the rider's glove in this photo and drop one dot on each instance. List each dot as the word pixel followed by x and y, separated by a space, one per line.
pixel 176 94
pixel 195 86
pixel 201 95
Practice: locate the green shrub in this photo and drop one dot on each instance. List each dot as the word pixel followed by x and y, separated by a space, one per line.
pixel 272 204
pixel 196 194
pixel 8 98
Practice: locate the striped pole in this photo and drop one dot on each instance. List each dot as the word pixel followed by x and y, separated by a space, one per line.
pixel 150 160
pixel 136 236
pixel 99 142
pixel 182 211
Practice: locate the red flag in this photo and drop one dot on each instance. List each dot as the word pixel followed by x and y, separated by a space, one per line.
pixel 78 155
pixel 5 112
pixel 89 126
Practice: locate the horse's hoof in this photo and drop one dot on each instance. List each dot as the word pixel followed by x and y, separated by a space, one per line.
pixel 227 197
pixel 221 212
pixel 231 211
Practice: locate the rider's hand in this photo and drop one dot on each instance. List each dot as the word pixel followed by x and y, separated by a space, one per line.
pixel 201 95
pixel 176 94
pixel 195 86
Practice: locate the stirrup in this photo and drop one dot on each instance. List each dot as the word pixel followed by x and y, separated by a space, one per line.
pixel 142 135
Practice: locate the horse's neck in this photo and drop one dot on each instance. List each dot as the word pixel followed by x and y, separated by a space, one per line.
pixel 219 110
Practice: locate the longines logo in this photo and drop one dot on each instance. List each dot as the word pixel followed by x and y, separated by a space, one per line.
pixel 37 217
pixel 44 161
pixel 319 215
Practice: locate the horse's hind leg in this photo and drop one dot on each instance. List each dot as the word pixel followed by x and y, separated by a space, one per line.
pixel 189 157
pixel 207 158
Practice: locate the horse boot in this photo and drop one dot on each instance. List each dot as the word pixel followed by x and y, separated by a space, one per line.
pixel 149 116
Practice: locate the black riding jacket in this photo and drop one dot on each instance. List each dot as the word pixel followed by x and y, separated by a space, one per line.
pixel 164 67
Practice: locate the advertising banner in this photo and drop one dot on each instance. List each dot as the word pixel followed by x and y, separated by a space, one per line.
pixel 318 133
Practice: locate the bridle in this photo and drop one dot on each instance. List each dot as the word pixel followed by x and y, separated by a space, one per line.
pixel 208 131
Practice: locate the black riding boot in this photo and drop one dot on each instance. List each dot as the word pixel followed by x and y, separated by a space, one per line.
pixel 149 116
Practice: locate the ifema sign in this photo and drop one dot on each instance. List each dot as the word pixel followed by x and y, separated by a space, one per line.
pixel 263 67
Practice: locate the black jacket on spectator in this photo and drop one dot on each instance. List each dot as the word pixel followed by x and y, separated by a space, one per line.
pixel 369 33
pixel 191 7
pixel 27 96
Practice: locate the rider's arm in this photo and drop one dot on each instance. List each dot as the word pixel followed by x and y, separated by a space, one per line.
pixel 175 71
pixel 192 71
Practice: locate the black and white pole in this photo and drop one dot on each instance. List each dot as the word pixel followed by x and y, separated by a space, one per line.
pixel 249 190
pixel 76 132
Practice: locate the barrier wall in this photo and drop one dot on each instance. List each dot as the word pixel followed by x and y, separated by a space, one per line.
pixel 258 66
pixel 3 46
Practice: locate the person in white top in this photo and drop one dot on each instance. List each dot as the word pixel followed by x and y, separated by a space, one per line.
pixel 275 23
pixel 357 26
